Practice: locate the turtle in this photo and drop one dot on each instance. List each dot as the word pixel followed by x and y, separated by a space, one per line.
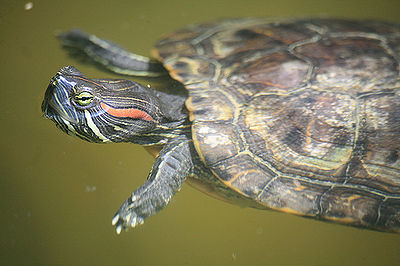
pixel 294 115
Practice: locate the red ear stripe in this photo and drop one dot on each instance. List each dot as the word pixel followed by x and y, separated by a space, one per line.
pixel 126 112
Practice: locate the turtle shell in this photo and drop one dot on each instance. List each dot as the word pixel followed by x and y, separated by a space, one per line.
pixel 301 116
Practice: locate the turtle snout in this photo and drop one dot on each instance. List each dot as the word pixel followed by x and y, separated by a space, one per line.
pixel 56 103
pixel 48 98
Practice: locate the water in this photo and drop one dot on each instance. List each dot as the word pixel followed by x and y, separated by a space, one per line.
pixel 59 194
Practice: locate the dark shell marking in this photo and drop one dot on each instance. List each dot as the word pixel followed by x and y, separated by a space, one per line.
pixel 301 116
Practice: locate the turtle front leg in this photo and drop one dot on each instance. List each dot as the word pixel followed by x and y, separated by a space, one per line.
pixel 170 169
pixel 110 55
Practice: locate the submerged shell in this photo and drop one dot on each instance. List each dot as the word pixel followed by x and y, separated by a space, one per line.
pixel 301 116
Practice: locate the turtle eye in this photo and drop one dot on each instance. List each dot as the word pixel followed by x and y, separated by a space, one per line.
pixel 83 99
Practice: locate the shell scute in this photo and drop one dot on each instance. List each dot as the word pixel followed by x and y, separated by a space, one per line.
pixel 242 173
pixel 217 140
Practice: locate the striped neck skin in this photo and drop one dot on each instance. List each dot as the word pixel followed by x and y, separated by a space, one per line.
pixel 111 110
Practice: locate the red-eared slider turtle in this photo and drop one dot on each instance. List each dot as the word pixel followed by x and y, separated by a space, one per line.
pixel 299 116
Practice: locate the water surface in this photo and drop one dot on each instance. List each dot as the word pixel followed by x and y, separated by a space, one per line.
pixel 59 194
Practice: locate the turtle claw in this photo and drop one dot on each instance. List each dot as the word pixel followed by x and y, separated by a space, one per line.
pixel 127 216
pixel 118 222
pixel 115 219
pixel 118 229
pixel 124 223
pixel 130 220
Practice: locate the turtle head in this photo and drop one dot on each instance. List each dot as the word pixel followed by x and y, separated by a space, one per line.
pixel 108 110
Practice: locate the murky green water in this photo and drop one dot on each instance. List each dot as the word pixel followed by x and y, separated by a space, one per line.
pixel 58 194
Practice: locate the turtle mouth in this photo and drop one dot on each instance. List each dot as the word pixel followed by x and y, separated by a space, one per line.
pixel 53 112
pixel 46 108
pixel 49 109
